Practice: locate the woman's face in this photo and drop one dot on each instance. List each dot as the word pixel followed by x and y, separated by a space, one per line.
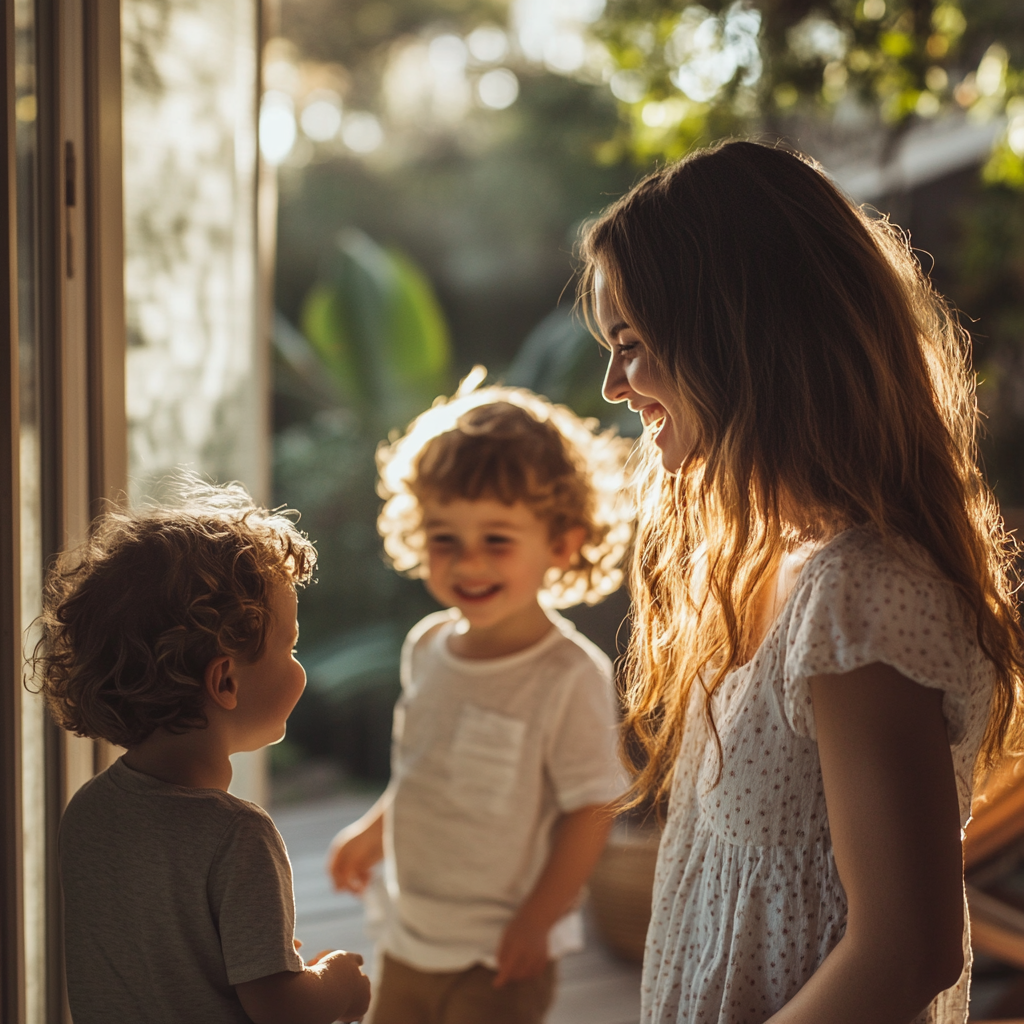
pixel 632 377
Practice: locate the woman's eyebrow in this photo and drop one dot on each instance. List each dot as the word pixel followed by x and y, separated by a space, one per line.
pixel 617 329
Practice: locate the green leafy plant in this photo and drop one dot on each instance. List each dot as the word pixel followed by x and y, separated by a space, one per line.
pixel 376 326
pixel 374 351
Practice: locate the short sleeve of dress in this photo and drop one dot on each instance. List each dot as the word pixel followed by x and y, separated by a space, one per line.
pixel 862 602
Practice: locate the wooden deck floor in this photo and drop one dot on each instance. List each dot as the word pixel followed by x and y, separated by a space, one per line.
pixel 595 987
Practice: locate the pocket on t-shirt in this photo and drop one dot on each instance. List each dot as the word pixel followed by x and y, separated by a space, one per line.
pixel 484 760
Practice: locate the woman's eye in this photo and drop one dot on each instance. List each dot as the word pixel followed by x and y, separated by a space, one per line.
pixel 622 347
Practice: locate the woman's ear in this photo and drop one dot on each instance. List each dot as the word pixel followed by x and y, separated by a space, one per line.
pixel 220 683
pixel 566 546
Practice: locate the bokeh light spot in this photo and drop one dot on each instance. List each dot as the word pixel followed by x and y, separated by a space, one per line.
pixel 498 89
pixel 277 126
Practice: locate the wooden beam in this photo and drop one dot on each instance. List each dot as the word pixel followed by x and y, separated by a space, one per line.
pixel 108 448
pixel 12 950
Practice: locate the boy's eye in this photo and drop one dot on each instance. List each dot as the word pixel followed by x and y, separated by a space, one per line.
pixel 498 538
pixel 440 539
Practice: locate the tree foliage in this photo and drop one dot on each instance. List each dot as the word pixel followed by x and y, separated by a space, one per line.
pixel 690 72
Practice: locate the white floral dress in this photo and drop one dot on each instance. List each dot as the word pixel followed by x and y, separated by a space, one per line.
pixel 747 900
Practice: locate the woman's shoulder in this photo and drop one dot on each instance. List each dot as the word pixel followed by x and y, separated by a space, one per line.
pixel 861 559
pixel 861 579
pixel 862 599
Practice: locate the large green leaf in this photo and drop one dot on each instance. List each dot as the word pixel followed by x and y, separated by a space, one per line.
pixel 374 321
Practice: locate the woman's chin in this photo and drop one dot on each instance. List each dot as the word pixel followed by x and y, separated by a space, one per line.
pixel 671 460
pixel 673 456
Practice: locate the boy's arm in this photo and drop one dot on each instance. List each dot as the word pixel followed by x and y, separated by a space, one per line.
pixel 357 847
pixel 579 838
pixel 333 989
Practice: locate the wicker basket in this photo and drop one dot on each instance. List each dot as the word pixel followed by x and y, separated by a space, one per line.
pixel 620 889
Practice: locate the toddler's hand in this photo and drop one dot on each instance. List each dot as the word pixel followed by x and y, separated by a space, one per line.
pixel 351 857
pixel 342 974
pixel 523 952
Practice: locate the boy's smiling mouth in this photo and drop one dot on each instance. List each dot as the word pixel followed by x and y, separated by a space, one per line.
pixel 479 593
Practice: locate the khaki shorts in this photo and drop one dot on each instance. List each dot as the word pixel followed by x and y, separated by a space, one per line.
pixel 405 995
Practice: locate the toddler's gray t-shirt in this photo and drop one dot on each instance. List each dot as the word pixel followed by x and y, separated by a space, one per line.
pixel 172 897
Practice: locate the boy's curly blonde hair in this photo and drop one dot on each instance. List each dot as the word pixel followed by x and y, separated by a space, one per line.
pixel 131 620
pixel 511 445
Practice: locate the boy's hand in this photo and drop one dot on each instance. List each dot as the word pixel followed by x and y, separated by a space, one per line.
pixel 329 988
pixel 352 855
pixel 523 952
pixel 342 973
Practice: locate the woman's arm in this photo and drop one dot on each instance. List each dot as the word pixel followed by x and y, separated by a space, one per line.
pixel 895 823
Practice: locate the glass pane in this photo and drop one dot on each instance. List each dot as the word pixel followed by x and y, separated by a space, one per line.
pixel 196 390
pixel 194 394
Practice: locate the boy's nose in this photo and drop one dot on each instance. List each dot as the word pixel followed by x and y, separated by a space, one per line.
pixel 469 555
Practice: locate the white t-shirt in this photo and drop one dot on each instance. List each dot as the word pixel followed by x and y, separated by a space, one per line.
pixel 486 755
pixel 747 899
pixel 172 896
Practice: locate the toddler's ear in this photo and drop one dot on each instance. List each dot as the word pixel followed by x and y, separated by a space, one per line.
pixel 219 681
pixel 566 546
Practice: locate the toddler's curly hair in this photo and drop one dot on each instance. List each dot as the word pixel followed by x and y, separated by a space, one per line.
pixel 510 445
pixel 131 619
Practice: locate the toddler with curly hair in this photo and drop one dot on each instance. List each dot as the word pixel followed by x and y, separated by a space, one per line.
pixel 504 752
pixel 172 633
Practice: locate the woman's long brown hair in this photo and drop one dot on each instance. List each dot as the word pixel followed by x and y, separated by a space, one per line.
pixel 825 378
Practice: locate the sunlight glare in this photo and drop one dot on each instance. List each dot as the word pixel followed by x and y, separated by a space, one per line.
pixel 1015 135
pixel 708 50
pixel 628 86
pixel 565 52
pixel 321 116
pixel 277 126
pixel 447 54
pixel 549 31
pixel 498 89
pixel 362 132
pixel 488 44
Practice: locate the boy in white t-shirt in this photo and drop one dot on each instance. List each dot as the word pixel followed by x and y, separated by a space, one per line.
pixel 504 756
pixel 172 632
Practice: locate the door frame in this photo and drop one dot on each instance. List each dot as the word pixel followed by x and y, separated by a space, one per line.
pixel 79 257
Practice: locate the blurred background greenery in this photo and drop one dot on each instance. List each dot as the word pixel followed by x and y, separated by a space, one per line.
pixel 436 159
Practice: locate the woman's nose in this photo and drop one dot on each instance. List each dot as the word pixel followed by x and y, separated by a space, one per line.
pixel 615 388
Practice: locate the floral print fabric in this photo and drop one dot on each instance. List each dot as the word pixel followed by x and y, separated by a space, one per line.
pixel 747 901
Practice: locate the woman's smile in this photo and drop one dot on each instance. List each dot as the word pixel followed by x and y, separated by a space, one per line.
pixel 652 415
pixel 632 378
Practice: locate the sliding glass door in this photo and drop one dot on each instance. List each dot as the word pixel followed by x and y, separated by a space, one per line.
pixel 186 384
pixel 62 436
